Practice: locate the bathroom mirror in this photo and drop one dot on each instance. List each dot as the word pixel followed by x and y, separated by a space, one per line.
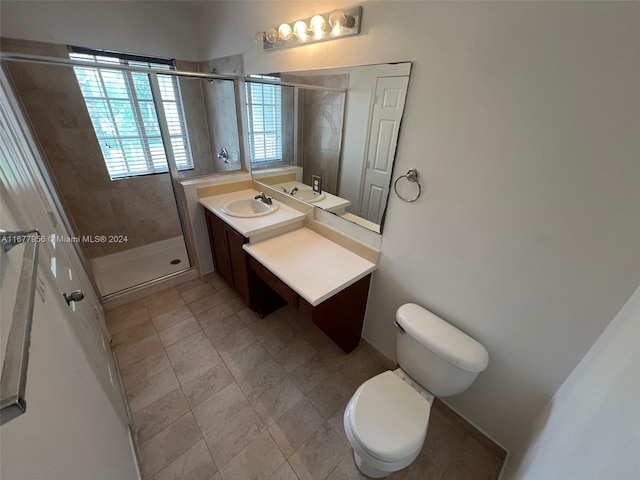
pixel 337 125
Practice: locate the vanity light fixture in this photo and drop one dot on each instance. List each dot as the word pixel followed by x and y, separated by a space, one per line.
pixel 318 28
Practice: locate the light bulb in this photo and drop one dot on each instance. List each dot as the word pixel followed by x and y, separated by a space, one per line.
pixel 285 32
pixel 336 21
pixel 259 38
pixel 271 35
pixel 318 25
pixel 300 30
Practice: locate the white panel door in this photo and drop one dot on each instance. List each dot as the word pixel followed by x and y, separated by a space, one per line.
pixel 33 206
pixel 70 429
pixel 381 146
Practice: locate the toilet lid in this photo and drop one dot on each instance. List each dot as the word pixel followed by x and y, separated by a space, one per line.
pixel 388 417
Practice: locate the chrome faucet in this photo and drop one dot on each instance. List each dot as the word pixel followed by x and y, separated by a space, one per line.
pixel 264 198
pixel 292 192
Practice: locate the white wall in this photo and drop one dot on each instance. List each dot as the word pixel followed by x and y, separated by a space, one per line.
pixel 522 118
pixel 153 28
pixel 596 406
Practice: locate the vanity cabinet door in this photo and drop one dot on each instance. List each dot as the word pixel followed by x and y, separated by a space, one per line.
pixel 238 263
pixel 229 259
pixel 217 239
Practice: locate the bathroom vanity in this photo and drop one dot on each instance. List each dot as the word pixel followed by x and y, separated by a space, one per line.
pixel 274 259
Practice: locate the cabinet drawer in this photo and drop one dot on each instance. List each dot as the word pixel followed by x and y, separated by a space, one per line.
pixel 274 282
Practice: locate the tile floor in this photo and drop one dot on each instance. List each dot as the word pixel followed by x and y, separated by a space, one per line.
pixel 219 394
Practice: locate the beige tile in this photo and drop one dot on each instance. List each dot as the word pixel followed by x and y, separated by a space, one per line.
pixel 243 362
pixel 205 303
pixel 207 384
pixel 133 334
pixel 359 367
pixel 168 444
pixel 336 421
pixel 234 342
pixel 198 292
pixel 294 427
pixel 423 469
pixel 152 389
pixel 294 354
pixel 285 472
pixel 308 375
pixel 181 330
pixel 216 280
pixel 221 328
pixel 145 368
pixel 194 464
pixel 258 380
pixel 216 410
pixel 247 315
pixel 160 414
pixel 186 347
pixel 190 284
pixel 334 355
pixel 228 293
pixel 330 394
pixel 264 326
pixel 256 462
pixel 276 400
pixel 317 339
pixel 172 317
pixel 319 455
pixel 347 470
pixel 279 338
pixel 134 352
pixel 126 316
pixel 444 439
pixel 163 302
pixel 236 303
pixel 196 364
pixel 228 440
pixel 471 461
pixel 214 314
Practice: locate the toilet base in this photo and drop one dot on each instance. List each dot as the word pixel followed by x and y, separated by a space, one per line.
pixel 367 469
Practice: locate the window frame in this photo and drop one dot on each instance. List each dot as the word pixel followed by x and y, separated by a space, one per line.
pixel 132 96
pixel 276 160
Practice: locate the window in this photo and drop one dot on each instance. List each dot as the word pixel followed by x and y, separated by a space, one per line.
pixel 264 111
pixel 124 117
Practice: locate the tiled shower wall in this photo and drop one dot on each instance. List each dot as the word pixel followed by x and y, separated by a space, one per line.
pixel 321 116
pixel 142 208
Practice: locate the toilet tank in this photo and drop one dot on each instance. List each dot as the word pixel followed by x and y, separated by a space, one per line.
pixel 437 355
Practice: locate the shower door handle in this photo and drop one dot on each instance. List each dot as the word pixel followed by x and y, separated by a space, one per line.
pixel 75 296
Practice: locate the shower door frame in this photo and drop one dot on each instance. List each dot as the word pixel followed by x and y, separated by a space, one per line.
pixel 172 167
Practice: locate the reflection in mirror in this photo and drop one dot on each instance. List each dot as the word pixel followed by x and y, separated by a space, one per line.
pixel 338 124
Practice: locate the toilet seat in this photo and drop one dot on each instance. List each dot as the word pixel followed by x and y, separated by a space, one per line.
pixel 388 418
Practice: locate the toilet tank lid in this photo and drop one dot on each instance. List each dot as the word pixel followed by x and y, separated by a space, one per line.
pixel 442 338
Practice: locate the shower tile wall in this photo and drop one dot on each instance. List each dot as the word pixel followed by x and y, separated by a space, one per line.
pixel 321 115
pixel 220 106
pixel 196 118
pixel 143 208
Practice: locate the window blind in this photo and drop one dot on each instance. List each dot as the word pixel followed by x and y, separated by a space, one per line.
pixel 124 116
pixel 264 111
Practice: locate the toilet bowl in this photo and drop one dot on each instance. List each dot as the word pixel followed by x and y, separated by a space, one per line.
pixel 387 418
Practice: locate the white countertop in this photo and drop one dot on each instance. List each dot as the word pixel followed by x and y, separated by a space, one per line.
pixel 248 227
pixel 313 266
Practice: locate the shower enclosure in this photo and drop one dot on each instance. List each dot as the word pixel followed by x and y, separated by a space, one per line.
pixel 117 132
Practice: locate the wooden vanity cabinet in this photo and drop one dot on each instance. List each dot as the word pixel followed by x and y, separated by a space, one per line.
pixel 229 259
pixel 340 317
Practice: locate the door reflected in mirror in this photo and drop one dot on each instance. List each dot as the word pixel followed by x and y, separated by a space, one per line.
pixel 340 125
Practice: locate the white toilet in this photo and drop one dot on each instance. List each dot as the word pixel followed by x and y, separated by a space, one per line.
pixel 386 419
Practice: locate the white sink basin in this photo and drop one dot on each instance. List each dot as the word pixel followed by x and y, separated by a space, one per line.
pixel 248 207
pixel 307 195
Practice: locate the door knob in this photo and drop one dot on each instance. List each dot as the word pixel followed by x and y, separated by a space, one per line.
pixel 75 296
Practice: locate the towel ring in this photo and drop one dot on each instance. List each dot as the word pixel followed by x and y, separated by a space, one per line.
pixel 412 175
